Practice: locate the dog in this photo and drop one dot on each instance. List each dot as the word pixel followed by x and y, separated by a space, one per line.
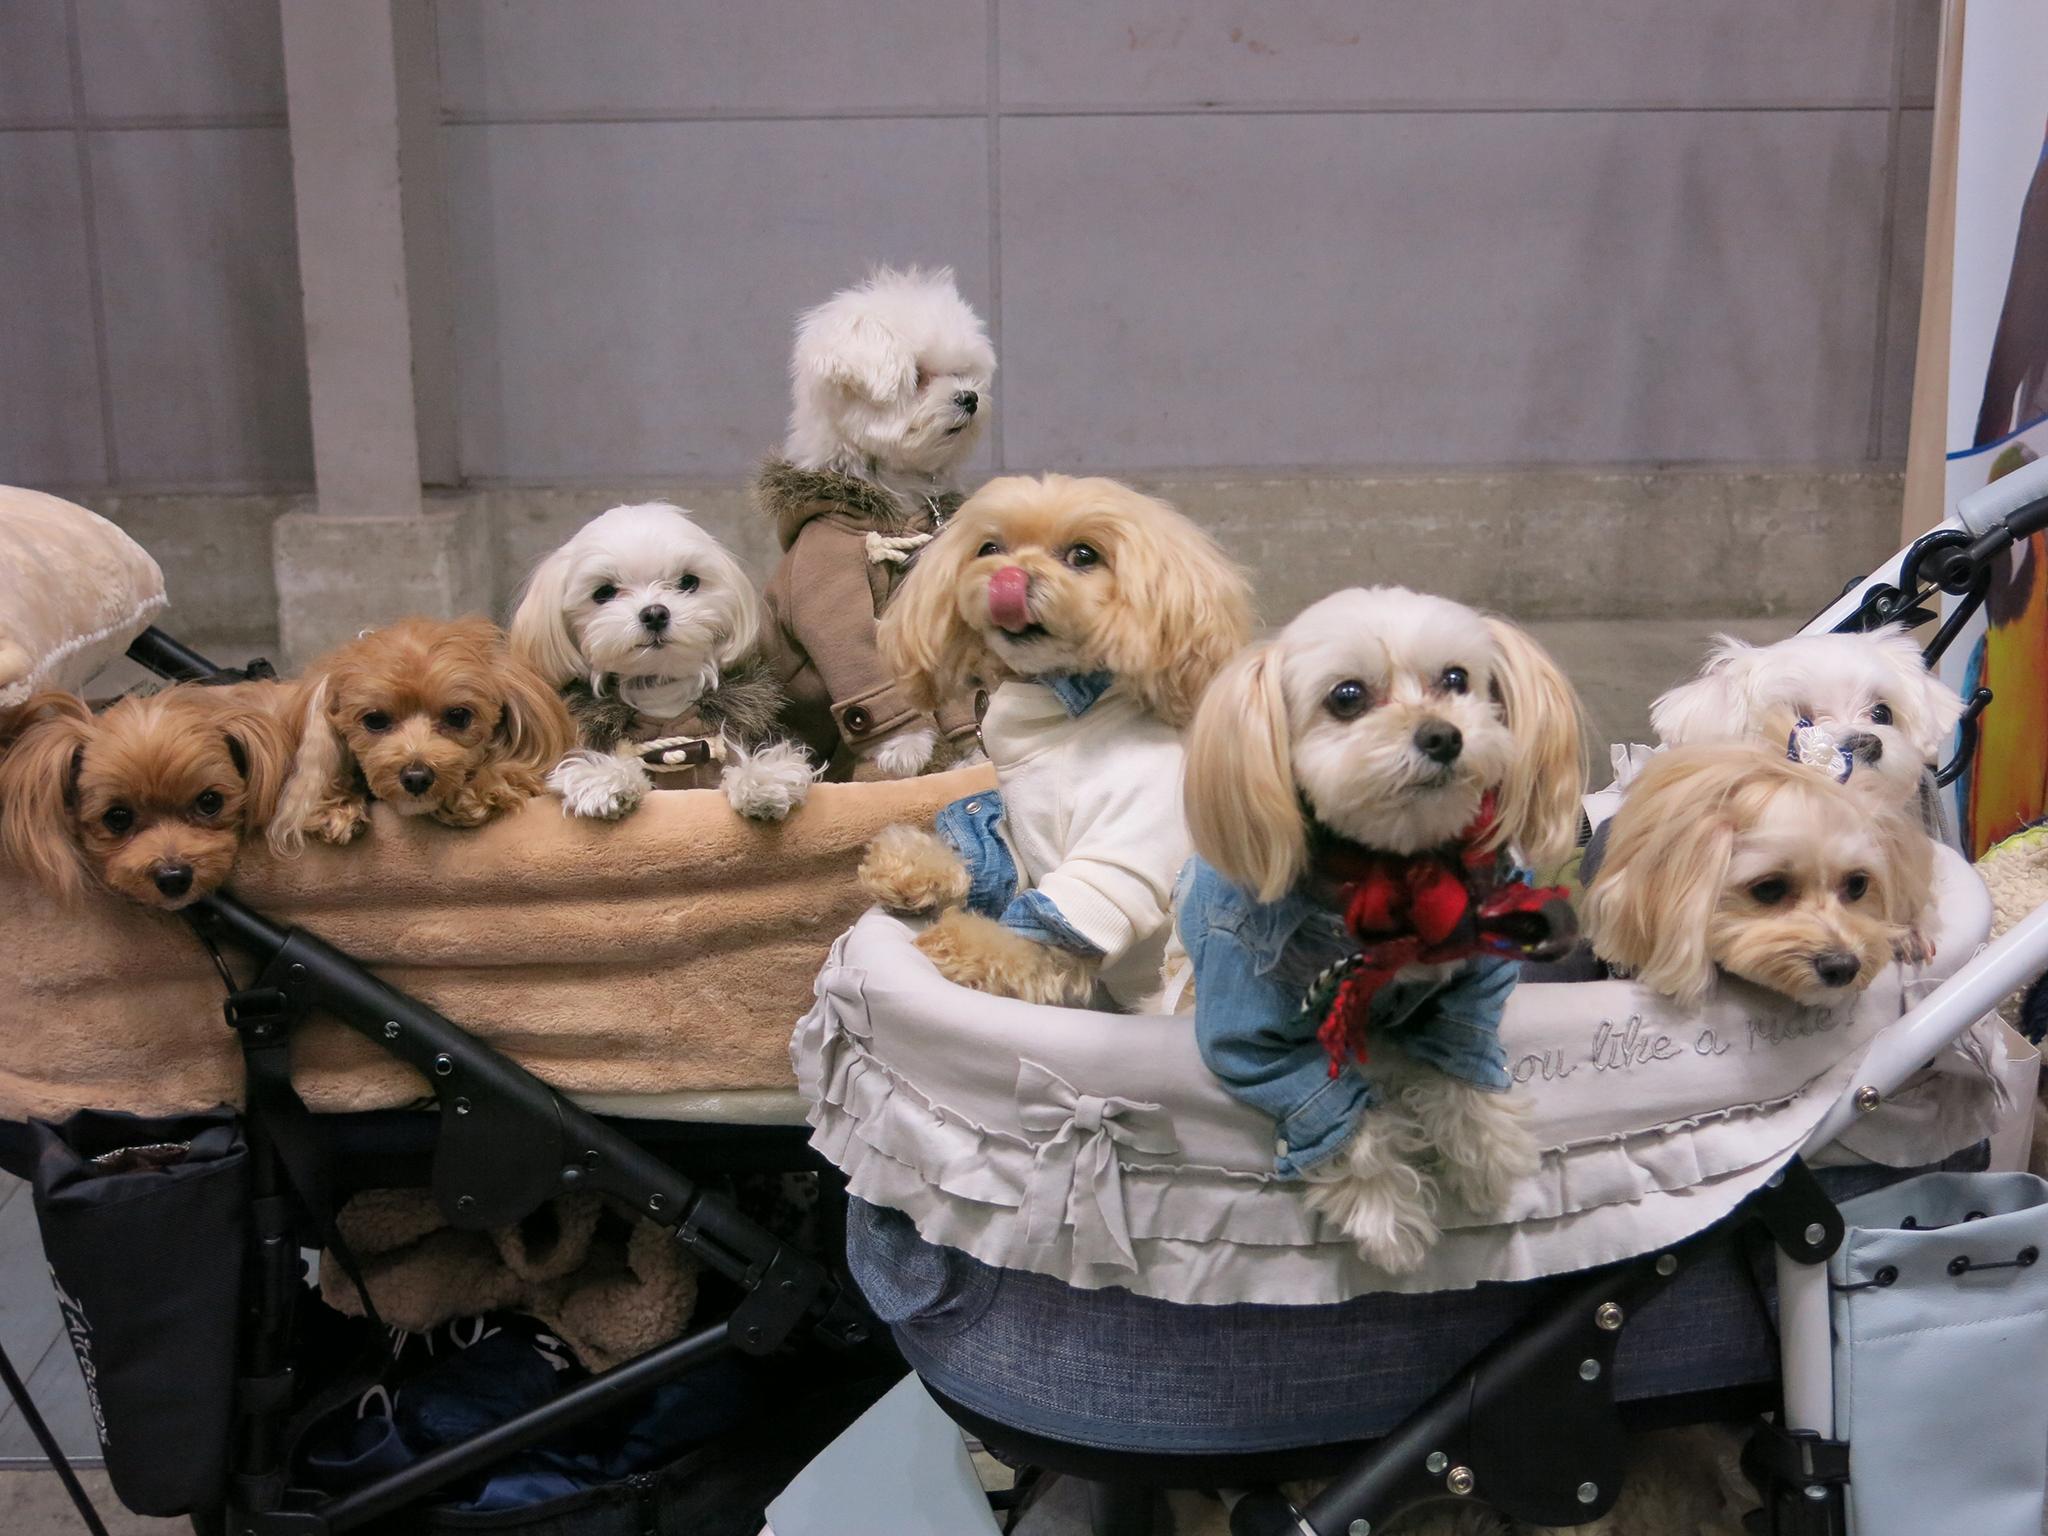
pixel 652 632
pixel 152 798
pixel 1355 788
pixel 890 385
pixel 1096 616
pixel 434 717
pixel 1869 697
pixel 1732 859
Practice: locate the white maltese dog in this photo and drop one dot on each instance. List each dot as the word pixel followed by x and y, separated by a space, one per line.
pixel 1865 702
pixel 652 633
pixel 889 381
pixel 1360 789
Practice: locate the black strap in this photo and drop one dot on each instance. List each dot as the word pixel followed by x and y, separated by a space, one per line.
pixel 263 1019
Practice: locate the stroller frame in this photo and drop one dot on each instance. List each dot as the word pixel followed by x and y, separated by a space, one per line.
pixel 1530 1426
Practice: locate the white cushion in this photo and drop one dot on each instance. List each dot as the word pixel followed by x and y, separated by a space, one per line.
pixel 74 591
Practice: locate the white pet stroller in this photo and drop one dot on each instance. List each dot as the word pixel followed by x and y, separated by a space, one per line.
pixel 1078 1243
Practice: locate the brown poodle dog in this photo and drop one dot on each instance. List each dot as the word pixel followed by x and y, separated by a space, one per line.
pixel 1731 858
pixel 435 717
pixel 151 798
pixel 1035 587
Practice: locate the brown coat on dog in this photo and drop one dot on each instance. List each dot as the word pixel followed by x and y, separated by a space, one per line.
pixel 846 546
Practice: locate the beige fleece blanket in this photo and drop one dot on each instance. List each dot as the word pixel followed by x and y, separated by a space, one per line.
pixel 669 952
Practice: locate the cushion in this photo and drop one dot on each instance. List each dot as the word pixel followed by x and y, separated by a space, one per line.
pixel 74 591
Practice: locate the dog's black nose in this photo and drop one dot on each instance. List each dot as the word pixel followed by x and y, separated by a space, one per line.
pixel 1862 746
pixel 1439 741
pixel 967 400
pixel 655 617
pixel 416 778
pixel 1837 968
pixel 172 879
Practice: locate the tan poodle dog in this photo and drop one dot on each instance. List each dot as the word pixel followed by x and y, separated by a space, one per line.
pixel 1094 616
pixel 435 717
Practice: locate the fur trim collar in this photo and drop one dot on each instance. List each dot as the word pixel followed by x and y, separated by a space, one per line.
pixel 743 706
pixel 792 497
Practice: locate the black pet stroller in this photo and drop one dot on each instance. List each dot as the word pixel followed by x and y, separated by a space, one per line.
pixel 1511 1395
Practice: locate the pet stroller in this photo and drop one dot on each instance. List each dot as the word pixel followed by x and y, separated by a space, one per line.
pixel 1038 1270
pixel 1078 1244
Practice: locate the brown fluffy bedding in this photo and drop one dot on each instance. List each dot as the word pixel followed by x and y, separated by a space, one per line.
pixel 671 952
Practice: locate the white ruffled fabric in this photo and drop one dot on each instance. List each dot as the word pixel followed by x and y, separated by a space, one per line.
pixel 1096 1148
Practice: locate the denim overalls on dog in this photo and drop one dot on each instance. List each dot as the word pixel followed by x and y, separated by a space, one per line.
pixel 1253 963
pixel 974 828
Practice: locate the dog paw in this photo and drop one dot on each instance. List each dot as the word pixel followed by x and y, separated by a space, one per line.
pixel 974 951
pixel 1376 1197
pixel 906 754
pixel 599 786
pixel 1481 1140
pixel 908 869
pixel 1913 947
pixel 769 782
pixel 339 824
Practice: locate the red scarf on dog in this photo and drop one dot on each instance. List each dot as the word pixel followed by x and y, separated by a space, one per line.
pixel 1432 908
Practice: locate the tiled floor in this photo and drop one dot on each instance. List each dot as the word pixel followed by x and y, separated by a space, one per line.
pixel 1618 666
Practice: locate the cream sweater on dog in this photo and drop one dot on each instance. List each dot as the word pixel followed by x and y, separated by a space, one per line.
pixel 1092 815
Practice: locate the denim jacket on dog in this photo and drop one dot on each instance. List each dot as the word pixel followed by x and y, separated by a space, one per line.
pixel 1253 963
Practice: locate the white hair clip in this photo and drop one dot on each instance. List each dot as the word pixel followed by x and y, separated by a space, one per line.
pixel 1816 748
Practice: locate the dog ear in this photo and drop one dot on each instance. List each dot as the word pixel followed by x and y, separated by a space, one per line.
pixel 924 641
pixel 535 724
pixel 1244 814
pixel 539 631
pixel 1668 851
pixel 1539 803
pixel 46 741
pixel 320 767
pixel 841 346
pixel 1715 706
pixel 1183 609
pixel 261 732
pixel 747 614
pixel 1924 708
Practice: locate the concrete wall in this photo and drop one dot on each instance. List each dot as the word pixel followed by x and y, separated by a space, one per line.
pixel 1210 234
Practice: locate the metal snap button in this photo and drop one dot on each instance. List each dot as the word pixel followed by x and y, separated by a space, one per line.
pixel 858 720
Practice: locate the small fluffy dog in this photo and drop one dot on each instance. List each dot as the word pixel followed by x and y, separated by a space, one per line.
pixel 890 381
pixel 652 632
pixel 1870 695
pixel 153 797
pixel 1732 858
pixel 1354 788
pixel 1096 616
pixel 435 717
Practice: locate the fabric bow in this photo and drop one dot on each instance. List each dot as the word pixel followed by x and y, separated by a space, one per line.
pixel 1432 908
pixel 1074 1174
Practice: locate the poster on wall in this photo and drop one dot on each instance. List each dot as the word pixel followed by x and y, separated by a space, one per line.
pixel 1998 399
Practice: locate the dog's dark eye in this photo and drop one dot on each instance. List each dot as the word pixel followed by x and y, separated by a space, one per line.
pixel 604 594
pixel 118 818
pixel 686 583
pixel 1856 887
pixel 1348 700
pixel 990 548
pixel 1454 680
pixel 209 802
pixel 1768 893
pixel 458 718
pixel 376 722
pixel 1082 556
pixel 1880 714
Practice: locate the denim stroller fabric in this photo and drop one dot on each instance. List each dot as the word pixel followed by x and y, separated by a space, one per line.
pixel 1113 1370
pixel 1941 1350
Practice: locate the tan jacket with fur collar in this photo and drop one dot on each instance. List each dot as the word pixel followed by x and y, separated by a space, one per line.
pixel 846 545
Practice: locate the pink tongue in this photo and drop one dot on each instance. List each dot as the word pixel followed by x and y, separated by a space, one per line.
pixel 1009 598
